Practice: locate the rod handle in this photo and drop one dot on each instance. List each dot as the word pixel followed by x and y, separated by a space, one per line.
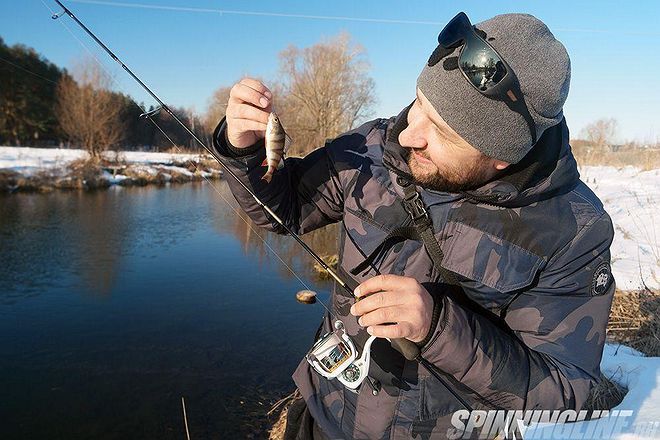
pixel 407 348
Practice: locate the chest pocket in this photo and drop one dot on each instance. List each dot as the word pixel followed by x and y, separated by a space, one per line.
pixel 487 259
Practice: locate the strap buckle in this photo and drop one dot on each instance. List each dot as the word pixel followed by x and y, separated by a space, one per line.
pixel 415 207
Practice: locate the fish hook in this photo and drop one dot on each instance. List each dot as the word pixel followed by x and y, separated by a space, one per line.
pixel 58 15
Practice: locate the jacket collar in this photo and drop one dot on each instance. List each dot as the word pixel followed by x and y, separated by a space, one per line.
pixel 548 169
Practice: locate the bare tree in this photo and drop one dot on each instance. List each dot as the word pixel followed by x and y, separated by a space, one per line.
pixel 87 110
pixel 325 91
pixel 216 109
pixel 601 133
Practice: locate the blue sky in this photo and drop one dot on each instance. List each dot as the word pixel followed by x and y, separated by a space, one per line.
pixel 186 49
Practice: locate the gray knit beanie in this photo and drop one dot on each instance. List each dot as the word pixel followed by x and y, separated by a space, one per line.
pixel 543 69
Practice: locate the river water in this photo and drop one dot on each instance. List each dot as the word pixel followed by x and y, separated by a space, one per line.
pixel 115 304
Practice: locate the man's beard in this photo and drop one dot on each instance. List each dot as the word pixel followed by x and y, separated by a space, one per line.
pixel 451 179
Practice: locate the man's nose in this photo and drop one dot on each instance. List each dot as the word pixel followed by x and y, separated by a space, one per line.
pixel 410 138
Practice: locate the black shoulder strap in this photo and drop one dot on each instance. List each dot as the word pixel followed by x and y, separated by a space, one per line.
pixel 414 205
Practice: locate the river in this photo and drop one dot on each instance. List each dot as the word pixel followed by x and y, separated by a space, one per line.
pixel 115 304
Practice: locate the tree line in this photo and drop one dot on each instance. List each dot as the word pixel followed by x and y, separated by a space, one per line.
pixel 321 91
pixel 43 105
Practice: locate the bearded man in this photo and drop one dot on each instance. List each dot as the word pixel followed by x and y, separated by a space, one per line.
pixel 467 228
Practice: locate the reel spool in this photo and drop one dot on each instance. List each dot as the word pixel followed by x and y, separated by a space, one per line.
pixel 334 356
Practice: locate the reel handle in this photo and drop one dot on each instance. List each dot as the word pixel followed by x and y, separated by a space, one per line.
pixel 406 347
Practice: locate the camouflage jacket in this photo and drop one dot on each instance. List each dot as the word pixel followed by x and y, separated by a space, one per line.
pixel 531 252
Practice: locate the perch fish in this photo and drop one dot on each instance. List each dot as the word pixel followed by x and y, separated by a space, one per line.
pixel 277 142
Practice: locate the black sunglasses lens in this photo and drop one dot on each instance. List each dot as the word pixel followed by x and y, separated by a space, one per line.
pixel 481 65
pixel 454 31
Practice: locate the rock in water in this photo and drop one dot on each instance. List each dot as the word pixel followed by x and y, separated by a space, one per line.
pixel 306 297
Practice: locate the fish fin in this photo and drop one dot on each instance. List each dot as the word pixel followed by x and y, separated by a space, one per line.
pixel 264 163
pixel 281 164
pixel 287 142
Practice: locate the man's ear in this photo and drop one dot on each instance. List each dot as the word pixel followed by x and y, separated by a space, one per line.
pixel 500 164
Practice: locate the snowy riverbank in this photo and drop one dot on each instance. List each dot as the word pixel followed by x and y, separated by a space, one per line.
pixel 44 169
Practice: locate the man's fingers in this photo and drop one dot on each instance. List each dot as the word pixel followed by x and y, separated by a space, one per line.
pixel 245 111
pixel 258 86
pixel 382 315
pixel 243 125
pixel 381 282
pixel 373 302
pixel 244 93
pixel 391 331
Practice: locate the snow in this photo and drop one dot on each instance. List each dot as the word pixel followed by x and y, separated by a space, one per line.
pixel 179 170
pixel 630 197
pixel 27 160
pixel 114 180
pixel 641 375
pixel 143 169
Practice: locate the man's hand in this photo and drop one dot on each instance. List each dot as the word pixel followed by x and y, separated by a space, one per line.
pixel 393 306
pixel 250 103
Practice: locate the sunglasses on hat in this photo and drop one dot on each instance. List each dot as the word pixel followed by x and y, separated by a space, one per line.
pixel 484 68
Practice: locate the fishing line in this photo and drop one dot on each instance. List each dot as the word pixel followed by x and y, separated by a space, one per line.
pixel 202 174
pixel 27 70
pixel 357 369
pixel 617 32
pixel 214 154
pixel 257 13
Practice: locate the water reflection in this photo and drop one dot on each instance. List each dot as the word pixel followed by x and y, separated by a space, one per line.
pixel 86 234
pixel 114 304
pixel 101 237
pixel 228 217
pixel 45 235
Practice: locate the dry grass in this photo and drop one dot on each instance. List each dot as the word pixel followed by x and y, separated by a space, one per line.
pixel 330 260
pixel 8 180
pixel 208 163
pixel 179 149
pixel 81 174
pixel 279 427
pixel 606 395
pixel 88 173
pixel 643 158
pixel 41 181
pixel 635 321
pixel 84 174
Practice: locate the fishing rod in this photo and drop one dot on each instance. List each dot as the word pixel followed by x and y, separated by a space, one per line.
pixel 334 354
